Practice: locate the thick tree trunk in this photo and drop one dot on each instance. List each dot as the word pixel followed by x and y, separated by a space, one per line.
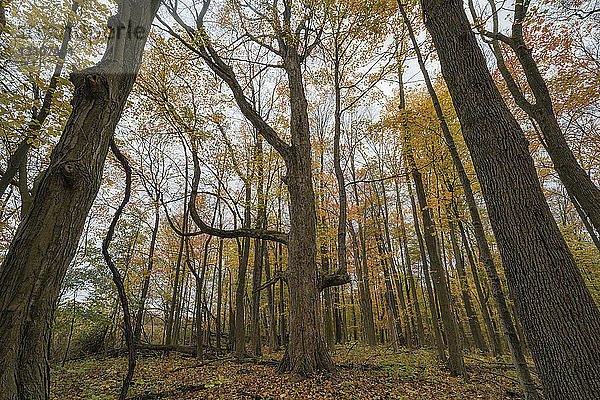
pixel 47 238
pixel 485 254
pixel 580 187
pixel 306 351
pixel 562 322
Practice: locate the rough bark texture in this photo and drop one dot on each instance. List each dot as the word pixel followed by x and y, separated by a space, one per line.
pixel 306 352
pixel 47 238
pixel 527 383
pixel 562 322
pixel 581 189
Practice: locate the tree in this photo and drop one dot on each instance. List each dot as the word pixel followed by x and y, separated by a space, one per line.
pixel 46 241
pixel 455 359
pixel 580 187
pixel 306 351
pixel 561 321
pixel 485 254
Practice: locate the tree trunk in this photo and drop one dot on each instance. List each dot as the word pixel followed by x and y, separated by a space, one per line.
pixel 306 351
pixel 272 327
pixel 240 324
pixel 435 322
pixel 415 300
pixel 324 249
pixel 364 292
pixel 328 317
pixel 395 274
pixel 455 360
pixel 581 189
pixel 218 322
pixel 562 322
pixel 139 318
pixel 474 326
pixel 255 306
pixel 172 333
pixel 494 338
pixel 47 238
pixel 281 308
pixel 482 244
pixel 259 249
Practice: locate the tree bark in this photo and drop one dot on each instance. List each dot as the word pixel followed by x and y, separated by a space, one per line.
pixel 527 383
pixel 415 300
pixel 272 328
pixel 580 187
pixel 562 322
pixel 240 324
pixel 483 299
pixel 128 328
pixel 435 322
pixel 47 238
pixel 395 274
pixel 364 287
pixel 259 250
pixel 306 352
pixel 218 322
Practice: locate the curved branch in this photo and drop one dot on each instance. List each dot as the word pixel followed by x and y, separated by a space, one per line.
pixel 275 236
pixel 116 275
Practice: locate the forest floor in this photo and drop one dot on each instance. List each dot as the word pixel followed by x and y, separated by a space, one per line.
pixel 363 374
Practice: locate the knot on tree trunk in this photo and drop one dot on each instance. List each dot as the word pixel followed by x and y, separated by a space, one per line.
pixel 89 84
pixel 73 175
pixel 337 278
